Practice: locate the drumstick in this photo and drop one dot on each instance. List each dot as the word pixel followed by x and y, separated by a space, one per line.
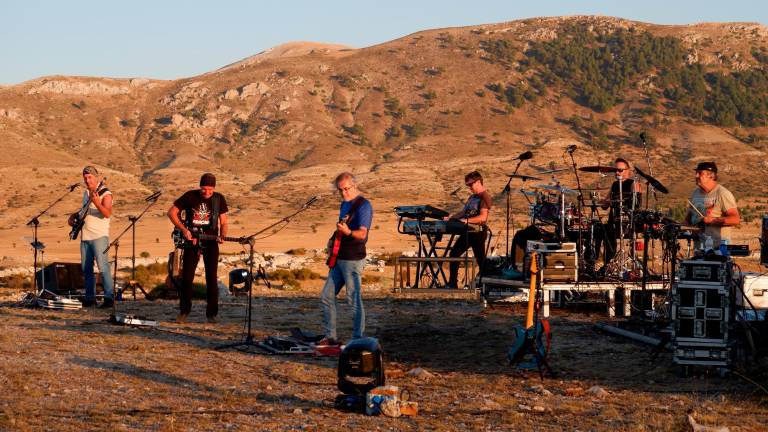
pixel 694 207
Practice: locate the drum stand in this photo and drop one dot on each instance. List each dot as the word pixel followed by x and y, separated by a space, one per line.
pixel 623 260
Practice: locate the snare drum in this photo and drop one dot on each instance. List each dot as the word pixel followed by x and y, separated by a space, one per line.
pixel 574 220
pixel 546 213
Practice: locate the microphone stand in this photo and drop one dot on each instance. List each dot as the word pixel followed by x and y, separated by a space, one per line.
pixel 116 243
pixel 247 340
pixel 650 172
pixel 507 190
pixel 581 210
pixel 35 222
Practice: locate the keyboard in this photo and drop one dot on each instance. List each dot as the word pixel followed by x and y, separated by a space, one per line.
pixel 439 227
pixel 420 212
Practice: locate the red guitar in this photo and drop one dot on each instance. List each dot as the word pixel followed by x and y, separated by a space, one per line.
pixel 334 243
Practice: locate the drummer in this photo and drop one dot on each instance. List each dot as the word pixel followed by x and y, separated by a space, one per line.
pixel 628 199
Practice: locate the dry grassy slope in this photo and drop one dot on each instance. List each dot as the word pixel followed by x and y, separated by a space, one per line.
pixel 301 101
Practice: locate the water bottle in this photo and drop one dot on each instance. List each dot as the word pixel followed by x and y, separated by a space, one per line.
pixel 708 243
pixel 724 247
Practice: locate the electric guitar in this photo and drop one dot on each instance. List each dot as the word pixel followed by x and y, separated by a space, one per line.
pixel 334 243
pixel 181 242
pixel 536 337
pixel 79 217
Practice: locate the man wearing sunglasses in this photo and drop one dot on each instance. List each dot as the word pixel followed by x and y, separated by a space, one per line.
pixel 354 222
pixel 629 197
pixel 475 212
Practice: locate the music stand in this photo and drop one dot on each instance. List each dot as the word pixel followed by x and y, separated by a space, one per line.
pixel 247 339
pixel 152 199
pixel 36 245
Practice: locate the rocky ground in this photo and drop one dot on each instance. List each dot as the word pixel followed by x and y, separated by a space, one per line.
pixel 75 371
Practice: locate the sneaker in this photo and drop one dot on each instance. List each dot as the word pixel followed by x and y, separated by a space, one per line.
pixel 212 320
pixel 181 318
pixel 107 303
pixel 510 273
pixel 89 302
pixel 326 341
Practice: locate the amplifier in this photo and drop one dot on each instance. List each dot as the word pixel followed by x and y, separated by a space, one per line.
pixel 700 313
pixel 544 248
pixel 61 278
pixel 754 287
pixel 557 265
pixel 705 272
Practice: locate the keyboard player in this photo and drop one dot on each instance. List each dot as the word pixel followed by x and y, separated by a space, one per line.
pixel 475 212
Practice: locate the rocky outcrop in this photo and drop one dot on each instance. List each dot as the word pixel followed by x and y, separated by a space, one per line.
pixel 79 88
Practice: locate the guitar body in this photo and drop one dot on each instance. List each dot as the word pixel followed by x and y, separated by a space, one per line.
pixel 334 244
pixel 536 336
pixel 77 226
pixel 181 242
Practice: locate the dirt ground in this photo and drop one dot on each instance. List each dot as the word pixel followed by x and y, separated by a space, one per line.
pixel 73 370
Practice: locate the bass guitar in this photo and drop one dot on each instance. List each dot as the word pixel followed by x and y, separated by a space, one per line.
pixel 181 242
pixel 79 218
pixel 536 336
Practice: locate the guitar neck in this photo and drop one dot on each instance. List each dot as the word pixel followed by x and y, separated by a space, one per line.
pixel 213 237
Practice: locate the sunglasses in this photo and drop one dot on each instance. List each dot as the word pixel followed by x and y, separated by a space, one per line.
pixel 471 183
pixel 345 189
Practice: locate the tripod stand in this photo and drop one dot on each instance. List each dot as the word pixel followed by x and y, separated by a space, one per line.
pixel 247 338
pixel 152 199
pixel 35 222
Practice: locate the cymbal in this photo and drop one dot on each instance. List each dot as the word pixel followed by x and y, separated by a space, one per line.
pixel 561 189
pixel 37 245
pixel 523 177
pixel 528 193
pixel 599 169
pixel 552 171
pixel 652 181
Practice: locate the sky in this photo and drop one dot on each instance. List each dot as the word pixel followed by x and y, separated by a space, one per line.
pixel 168 39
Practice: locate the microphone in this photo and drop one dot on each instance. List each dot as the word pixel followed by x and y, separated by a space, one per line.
pixel 311 201
pixel 456 190
pixel 571 148
pixel 73 186
pixel 524 156
pixel 153 197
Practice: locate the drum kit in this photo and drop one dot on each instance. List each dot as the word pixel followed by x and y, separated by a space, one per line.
pixel 564 214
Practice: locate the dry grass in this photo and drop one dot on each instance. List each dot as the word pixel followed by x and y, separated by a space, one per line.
pixel 73 371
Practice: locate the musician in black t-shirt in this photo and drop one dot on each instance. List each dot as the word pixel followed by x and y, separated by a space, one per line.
pixel 475 212
pixel 204 211
pixel 629 198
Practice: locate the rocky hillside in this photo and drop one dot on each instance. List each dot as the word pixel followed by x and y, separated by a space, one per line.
pixel 410 116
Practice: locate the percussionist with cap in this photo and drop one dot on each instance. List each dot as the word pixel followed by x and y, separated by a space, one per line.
pixel 715 206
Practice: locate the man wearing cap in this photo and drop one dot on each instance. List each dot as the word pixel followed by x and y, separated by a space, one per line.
pixel 94 239
pixel 205 212
pixel 715 202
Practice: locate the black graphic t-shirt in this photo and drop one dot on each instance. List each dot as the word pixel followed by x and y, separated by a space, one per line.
pixel 198 212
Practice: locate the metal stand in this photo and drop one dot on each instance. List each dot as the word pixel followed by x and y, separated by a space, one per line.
pixel 35 222
pixel 247 339
pixel 507 190
pixel 152 199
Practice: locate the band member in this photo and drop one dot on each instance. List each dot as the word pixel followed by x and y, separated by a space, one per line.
pixel 628 197
pixel 475 212
pixel 94 239
pixel 355 216
pixel 715 202
pixel 205 211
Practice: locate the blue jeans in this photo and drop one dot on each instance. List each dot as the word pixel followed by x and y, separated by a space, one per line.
pixel 90 250
pixel 349 274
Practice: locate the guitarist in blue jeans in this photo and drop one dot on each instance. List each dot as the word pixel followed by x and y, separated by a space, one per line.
pixel 95 237
pixel 205 212
pixel 355 216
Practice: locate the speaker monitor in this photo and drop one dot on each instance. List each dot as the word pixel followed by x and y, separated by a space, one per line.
pixel 61 278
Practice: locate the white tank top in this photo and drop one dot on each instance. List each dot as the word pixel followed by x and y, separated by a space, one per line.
pixel 96 225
